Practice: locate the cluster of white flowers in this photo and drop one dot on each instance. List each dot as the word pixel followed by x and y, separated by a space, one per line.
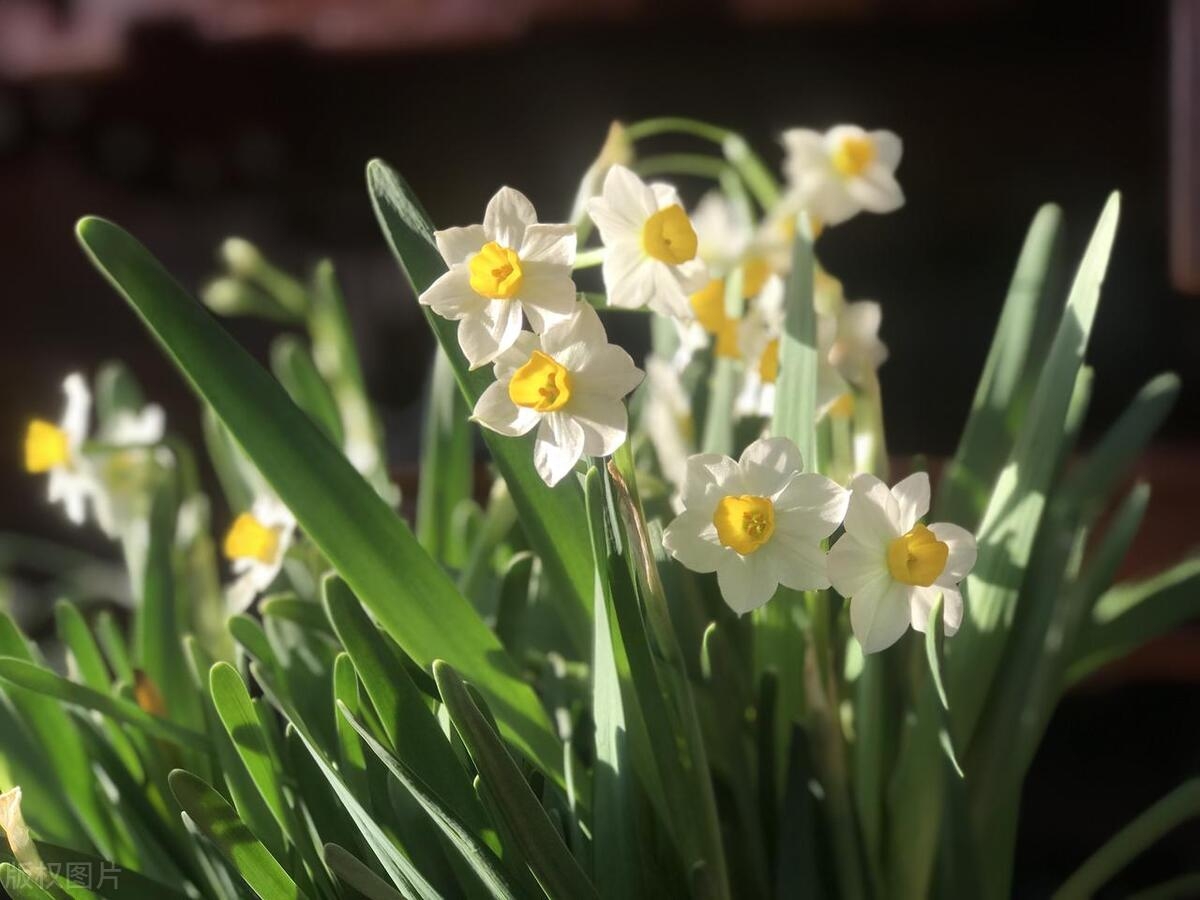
pixel 760 522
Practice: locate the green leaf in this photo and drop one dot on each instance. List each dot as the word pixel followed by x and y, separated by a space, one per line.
pixel 400 869
pixel 304 613
pixel 1134 612
pixel 1014 512
pixel 358 875
pixel 1011 362
pixel 447 463
pixel 411 729
pixel 538 840
pixel 614 785
pixel 462 836
pixel 364 539
pixel 20 886
pixel 1175 808
pixel 935 638
pixel 296 371
pixel 797 383
pixel 564 551
pixel 42 681
pixel 236 711
pixel 217 820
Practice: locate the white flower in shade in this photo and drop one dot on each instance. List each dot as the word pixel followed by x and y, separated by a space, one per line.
pixel 723 232
pixel 667 419
pixel 835 175
pixel 892 568
pixel 508 265
pixel 126 466
pixel 56 450
pixel 652 251
pixel 255 545
pixel 758 522
pixel 570 384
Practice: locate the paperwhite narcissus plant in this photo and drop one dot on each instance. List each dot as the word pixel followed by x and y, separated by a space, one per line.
pixel 651 249
pixel 55 450
pixel 758 522
pixel 835 175
pixel 570 384
pixel 509 265
pixel 255 545
pixel 891 567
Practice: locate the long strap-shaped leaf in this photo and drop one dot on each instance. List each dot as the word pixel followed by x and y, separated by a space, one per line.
pixel 218 821
pixel 539 841
pixel 547 514
pixel 370 546
pixel 474 852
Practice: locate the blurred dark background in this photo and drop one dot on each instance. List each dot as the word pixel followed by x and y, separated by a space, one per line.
pixel 190 120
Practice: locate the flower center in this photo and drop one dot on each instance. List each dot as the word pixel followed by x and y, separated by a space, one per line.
pixel 46 447
pixel 744 523
pixel 496 272
pixel 708 304
pixel 853 155
pixel 918 557
pixel 668 236
pixel 249 538
pixel 843 406
pixel 540 384
pixel 768 365
pixel 755 272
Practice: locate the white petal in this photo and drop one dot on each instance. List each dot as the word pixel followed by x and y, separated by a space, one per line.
pixel 692 539
pixel 667 296
pixel 548 294
pixel 626 192
pixel 558 446
pixel 549 244
pixel 582 328
pixel 962 551
pixel 876 190
pixel 604 422
pixel 921 602
pixel 853 565
pixel 508 213
pixel 486 335
pixel 880 614
pixel 458 245
pixel 451 296
pixel 769 463
pixel 888 148
pixel 628 275
pixel 664 195
pixel 912 498
pixel 811 506
pixel 608 371
pixel 495 410
pixel 831 202
pixel 873 515
pixel 78 410
pixel 508 361
pixel 746 582
pixel 799 561
pixel 708 477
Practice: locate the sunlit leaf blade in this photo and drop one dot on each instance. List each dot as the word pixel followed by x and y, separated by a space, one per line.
pixel 447 466
pixel 796 409
pixel 614 800
pixel 538 840
pixel 20 886
pixel 217 820
pixel 990 429
pixel 363 538
pixel 474 852
pixel 1015 510
pixel 543 510
pixel 358 875
pixel 35 678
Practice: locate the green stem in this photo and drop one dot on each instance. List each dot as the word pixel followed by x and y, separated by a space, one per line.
pixel 676 125
pixel 682 164
pixel 588 259
pixel 1175 808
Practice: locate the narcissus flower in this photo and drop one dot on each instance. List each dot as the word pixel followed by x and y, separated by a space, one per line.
pixel 508 265
pixel 892 568
pixel 758 522
pixel 56 450
pixel 651 256
pixel 255 545
pixel 835 175
pixel 569 383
